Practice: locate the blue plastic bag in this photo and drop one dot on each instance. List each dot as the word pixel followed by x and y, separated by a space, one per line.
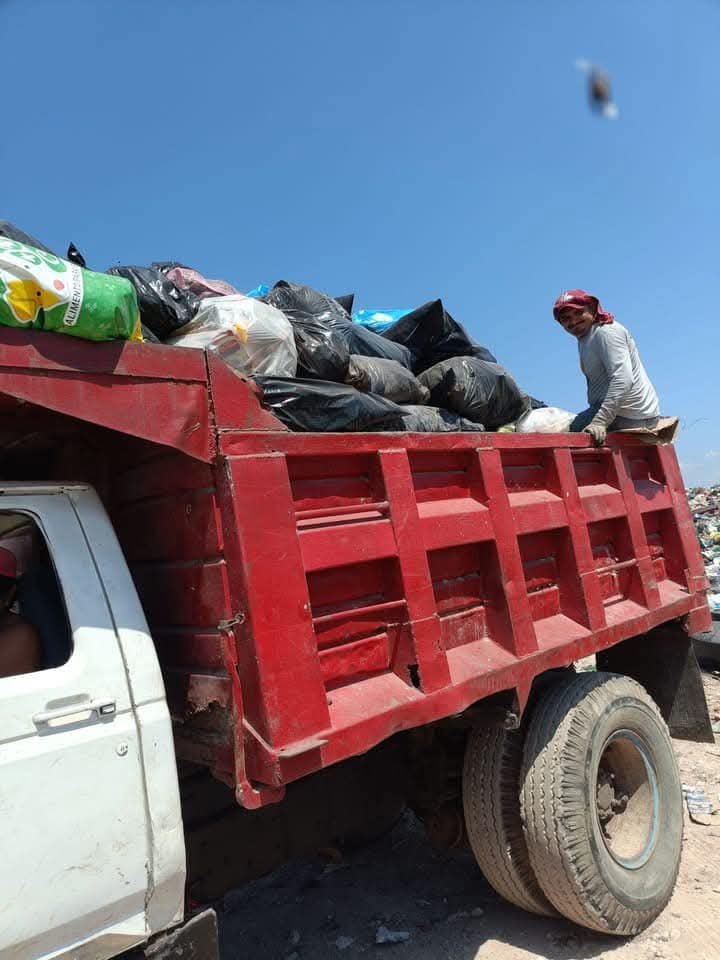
pixel 378 320
pixel 259 291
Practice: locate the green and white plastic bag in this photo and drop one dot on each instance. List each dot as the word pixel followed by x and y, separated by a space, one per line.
pixel 39 291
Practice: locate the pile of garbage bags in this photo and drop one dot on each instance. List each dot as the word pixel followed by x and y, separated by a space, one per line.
pixel 321 366
pixel 422 373
pixel 705 506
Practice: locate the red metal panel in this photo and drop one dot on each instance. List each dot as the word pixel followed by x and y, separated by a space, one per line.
pixel 540 510
pixel 282 682
pixel 463 628
pixel 414 570
pixel 346 544
pixel 190 647
pixel 237 442
pixel 175 525
pixel 167 472
pixel 696 579
pixel 601 502
pixel 176 415
pixel 236 400
pixel 521 640
pixel 448 523
pixel 564 480
pixel 183 594
pixel 75 379
pixel 640 550
pixel 360 657
pixel 34 350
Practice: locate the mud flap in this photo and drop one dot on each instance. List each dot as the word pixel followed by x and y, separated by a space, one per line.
pixel 195 939
pixel 664 662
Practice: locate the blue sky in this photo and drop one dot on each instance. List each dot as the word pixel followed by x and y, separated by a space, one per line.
pixel 399 150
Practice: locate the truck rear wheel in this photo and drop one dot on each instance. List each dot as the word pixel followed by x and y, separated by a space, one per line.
pixel 491 802
pixel 601 803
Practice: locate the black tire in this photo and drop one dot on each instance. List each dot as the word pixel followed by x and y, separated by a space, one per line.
pixel 597 742
pixel 491 801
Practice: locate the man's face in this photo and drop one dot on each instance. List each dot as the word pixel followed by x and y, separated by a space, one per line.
pixel 576 321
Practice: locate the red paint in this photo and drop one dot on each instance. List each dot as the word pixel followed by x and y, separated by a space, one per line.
pixel 310 595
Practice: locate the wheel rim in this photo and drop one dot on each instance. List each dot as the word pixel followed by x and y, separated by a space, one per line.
pixel 627 800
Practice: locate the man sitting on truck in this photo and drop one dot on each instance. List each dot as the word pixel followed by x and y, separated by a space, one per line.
pixel 620 394
pixel 20 649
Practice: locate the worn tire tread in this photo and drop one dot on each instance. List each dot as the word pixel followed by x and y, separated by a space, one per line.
pixel 491 801
pixel 559 850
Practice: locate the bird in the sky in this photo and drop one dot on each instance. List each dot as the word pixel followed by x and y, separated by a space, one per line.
pixel 599 91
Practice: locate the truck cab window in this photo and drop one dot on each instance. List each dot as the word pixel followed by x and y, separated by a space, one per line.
pixel 34 633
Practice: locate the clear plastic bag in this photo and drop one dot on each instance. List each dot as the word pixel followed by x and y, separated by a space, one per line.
pixel 252 337
pixel 545 420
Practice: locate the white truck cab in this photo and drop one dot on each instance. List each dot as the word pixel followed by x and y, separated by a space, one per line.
pixel 93 854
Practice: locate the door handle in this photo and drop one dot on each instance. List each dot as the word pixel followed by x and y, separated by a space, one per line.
pixel 75 713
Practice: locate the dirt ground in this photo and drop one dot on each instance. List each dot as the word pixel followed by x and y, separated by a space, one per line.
pixel 317 910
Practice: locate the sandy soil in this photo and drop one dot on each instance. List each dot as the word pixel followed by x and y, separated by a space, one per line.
pixel 316 910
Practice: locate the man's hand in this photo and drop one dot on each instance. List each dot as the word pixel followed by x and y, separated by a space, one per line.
pixel 598 431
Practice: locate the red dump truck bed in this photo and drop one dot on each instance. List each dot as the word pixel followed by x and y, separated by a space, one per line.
pixel 312 594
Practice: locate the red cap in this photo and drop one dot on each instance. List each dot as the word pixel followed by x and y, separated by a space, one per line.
pixel 8 564
pixel 579 300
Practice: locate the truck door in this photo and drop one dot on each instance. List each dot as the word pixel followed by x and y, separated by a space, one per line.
pixel 72 799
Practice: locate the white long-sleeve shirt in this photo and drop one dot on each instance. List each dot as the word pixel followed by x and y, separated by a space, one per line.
pixel 615 375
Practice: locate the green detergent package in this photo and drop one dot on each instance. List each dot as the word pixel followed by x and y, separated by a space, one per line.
pixel 39 291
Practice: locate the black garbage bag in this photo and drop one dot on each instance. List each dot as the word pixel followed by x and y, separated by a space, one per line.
pixel 346 302
pixel 366 343
pixel 74 256
pixel 299 302
pixel 322 328
pixel 323 353
pixel 148 335
pixel 322 407
pixel 432 335
pixel 164 307
pixel 434 420
pixel 481 391
pixel 12 232
pixel 386 378
pixel 165 266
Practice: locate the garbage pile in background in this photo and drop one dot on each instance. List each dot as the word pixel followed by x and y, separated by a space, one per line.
pixel 321 367
pixel 705 506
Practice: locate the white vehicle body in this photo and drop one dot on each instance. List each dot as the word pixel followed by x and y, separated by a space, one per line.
pixel 93 855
